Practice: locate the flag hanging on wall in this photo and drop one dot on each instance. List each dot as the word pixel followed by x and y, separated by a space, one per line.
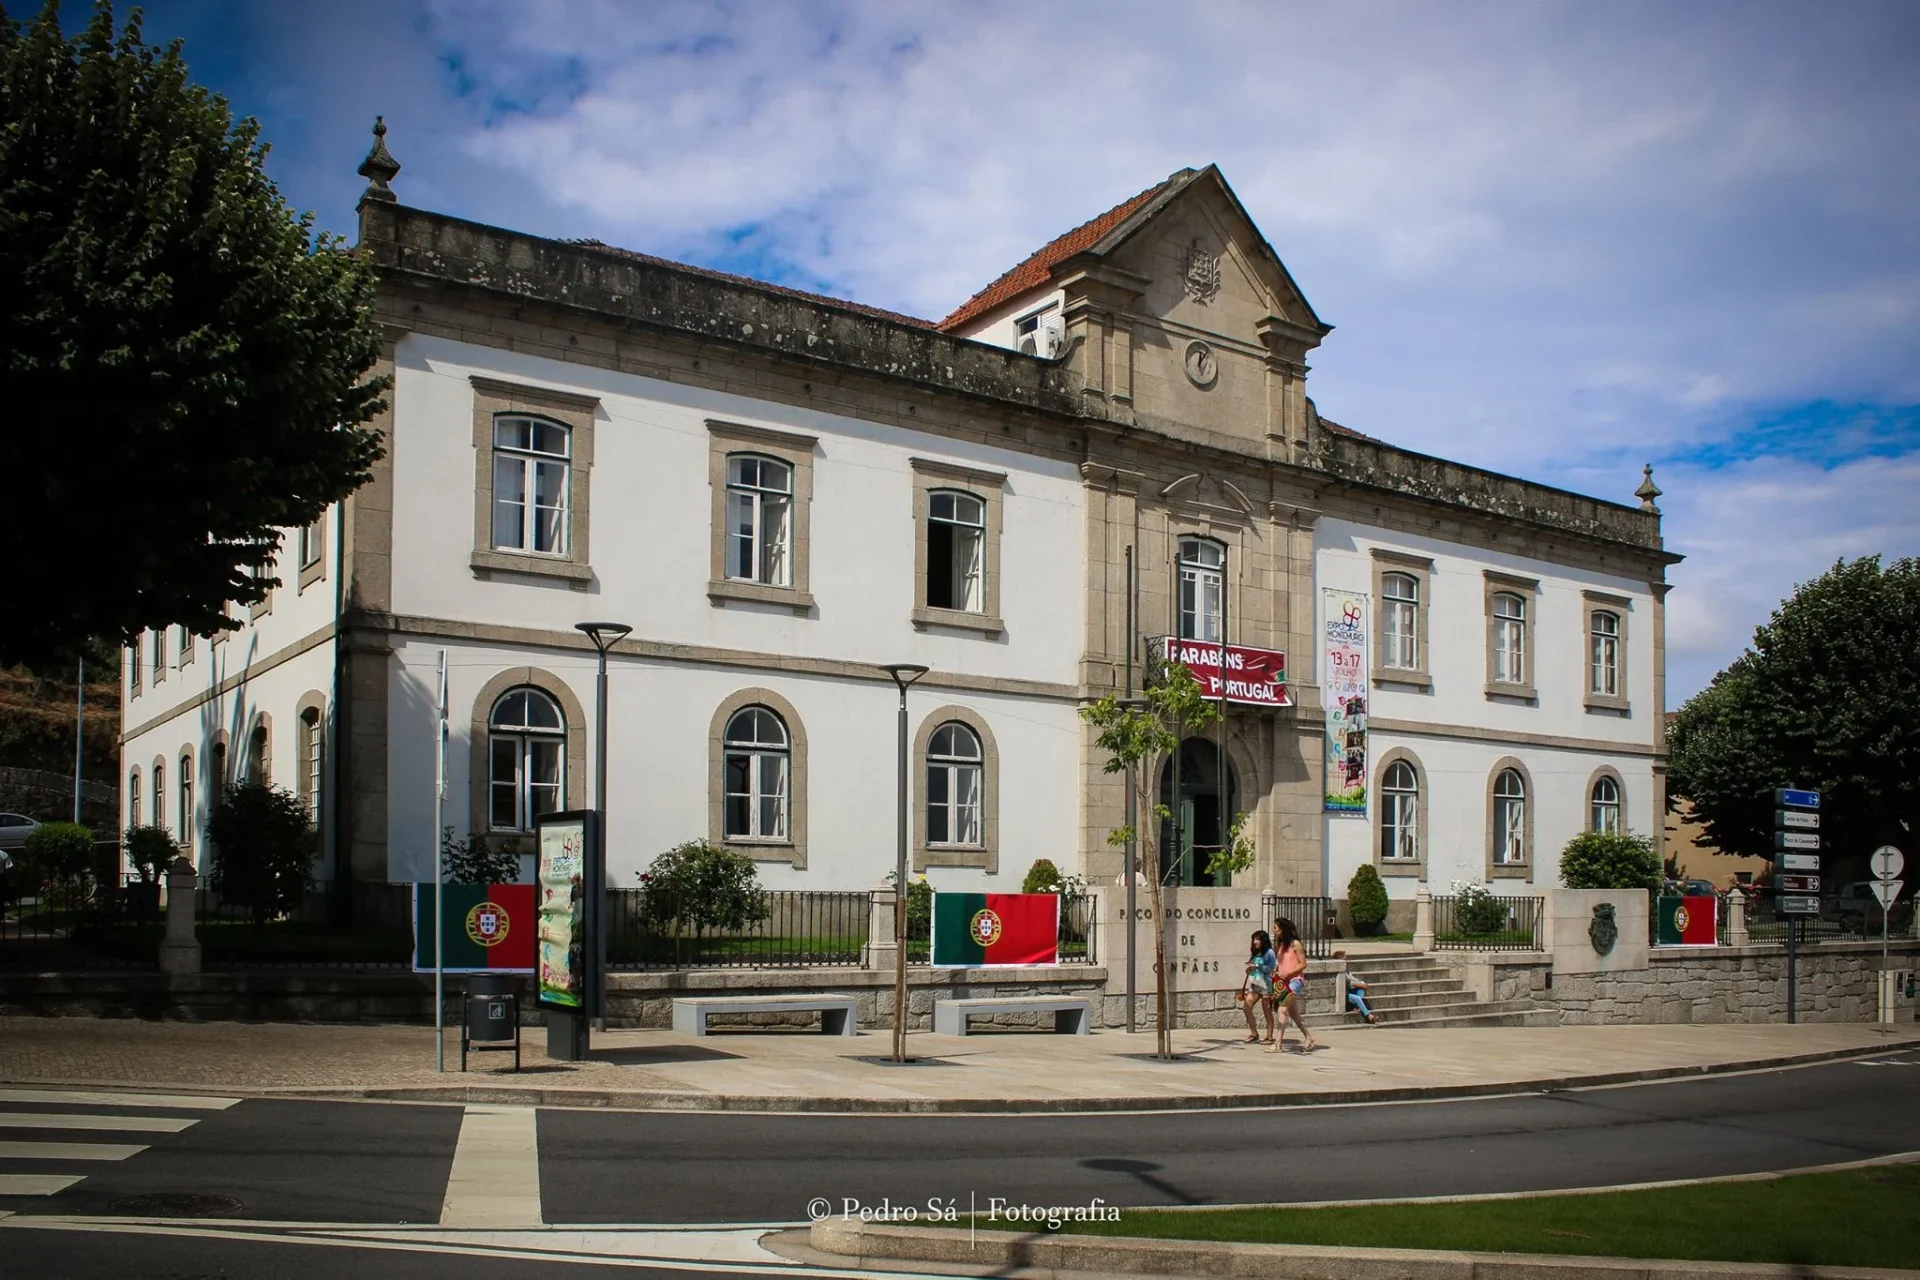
pixel 486 928
pixel 995 928
pixel 1687 922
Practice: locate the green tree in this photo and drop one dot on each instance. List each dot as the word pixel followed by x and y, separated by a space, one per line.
pixel 473 861
pixel 700 886
pixel 1609 860
pixel 185 361
pixel 59 858
pixel 263 847
pixel 1366 899
pixel 150 851
pixel 1042 877
pixel 1827 697
pixel 1139 736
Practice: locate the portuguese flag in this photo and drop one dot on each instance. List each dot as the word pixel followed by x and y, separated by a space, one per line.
pixel 1687 922
pixel 487 928
pixel 995 928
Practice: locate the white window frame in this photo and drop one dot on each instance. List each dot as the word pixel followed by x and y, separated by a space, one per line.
pixel 956 786
pixel 525 740
pixel 1603 659
pixel 133 797
pixel 766 766
pixel 1509 638
pixel 1400 813
pixel 768 542
pixel 966 514
pixel 1400 621
pixel 1203 570
pixel 187 814
pixel 532 464
pixel 1605 815
pixel 1509 819
pixel 160 794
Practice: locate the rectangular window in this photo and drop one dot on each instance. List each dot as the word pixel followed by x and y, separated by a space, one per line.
pixel 1202 589
pixel 1402 594
pixel 533 457
pixel 1606 655
pixel 186 800
pixel 1510 620
pixel 759 520
pixel 159 635
pixel 956 556
pixel 543 783
pixel 309 545
pixel 530 485
pixel 956 550
pixel 183 641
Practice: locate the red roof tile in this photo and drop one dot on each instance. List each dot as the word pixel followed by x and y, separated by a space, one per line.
pixel 1033 272
pixel 802 294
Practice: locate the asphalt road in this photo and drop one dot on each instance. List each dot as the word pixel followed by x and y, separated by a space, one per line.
pixel 285 1161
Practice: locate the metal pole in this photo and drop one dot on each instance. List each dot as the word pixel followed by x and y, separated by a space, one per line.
pixel 1793 991
pixel 599 898
pixel 900 901
pixel 1133 818
pixel 79 733
pixel 439 874
pixel 1223 815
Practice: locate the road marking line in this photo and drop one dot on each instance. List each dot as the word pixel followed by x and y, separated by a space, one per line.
pixel 67 1150
pixel 495 1178
pixel 178 1101
pixel 62 1120
pixel 33 1184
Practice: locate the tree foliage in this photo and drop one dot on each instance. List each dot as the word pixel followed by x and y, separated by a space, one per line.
pixel 1042 877
pixel 185 360
pixel 150 851
pixel 1366 899
pixel 263 847
pixel 1609 860
pixel 473 861
pixel 1827 698
pixel 59 857
pixel 700 886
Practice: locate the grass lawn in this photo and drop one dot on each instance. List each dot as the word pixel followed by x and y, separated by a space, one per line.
pixel 1859 1218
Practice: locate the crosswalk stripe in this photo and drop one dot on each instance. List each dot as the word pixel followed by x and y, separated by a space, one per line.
pixel 177 1101
pixel 58 1120
pixel 34 1184
pixel 68 1150
pixel 495 1178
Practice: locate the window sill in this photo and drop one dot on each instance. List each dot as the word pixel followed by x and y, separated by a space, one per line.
pixel 760 593
pixel 1503 692
pixel 1410 868
pixel 1610 706
pixel 955 855
pixel 312 573
pixel 1510 871
pixel 926 616
pixel 768 850
pixel 1402 676
pixel 490 562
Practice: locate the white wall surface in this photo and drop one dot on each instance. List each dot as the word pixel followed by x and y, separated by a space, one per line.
pixel 659 720
pixel 651 516
pixel 996 327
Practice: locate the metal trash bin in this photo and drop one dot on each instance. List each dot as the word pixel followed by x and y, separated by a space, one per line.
pixel 490 1016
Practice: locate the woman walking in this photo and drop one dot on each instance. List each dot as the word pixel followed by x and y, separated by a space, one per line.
pixel 1290 982
pixel 1256 989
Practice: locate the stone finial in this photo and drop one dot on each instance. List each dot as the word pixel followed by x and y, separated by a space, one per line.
pixel 379 168
pixel 1648 490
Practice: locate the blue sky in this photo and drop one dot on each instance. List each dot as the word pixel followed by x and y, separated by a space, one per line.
pixel 1559 240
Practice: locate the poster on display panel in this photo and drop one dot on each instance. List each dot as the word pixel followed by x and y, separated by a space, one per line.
pixel 1344 689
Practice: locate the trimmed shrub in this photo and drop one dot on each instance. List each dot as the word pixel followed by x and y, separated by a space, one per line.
pixel 1366 899
pixel 1605 860
pixel 263 847
pixel 1042 877
pixel 699 886
pixel 1477 911
pixel 474 861
pixel 59 856
pixel 150 851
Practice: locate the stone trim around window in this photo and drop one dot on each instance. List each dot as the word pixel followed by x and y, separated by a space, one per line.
pixel 262 726
pixel 1621 607
pixel 1528 589
pixel 1420 569
pixel 308 574
pixel 1586 798
pixel 792 850
pixel 218 753
pixel 162 804
pixel 1411 868
pixel 316 702
pixel 578 414
pixel 990 487
pixel 478 775
pixel 1510 871
pixel 986 854
pixel 725 439
pixel 184 761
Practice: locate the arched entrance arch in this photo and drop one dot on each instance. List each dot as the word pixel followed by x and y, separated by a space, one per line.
pixel 1205 810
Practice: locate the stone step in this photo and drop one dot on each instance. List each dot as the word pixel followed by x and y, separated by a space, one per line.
pixel 1495 1018
pixel 1413 986
pixel 1417 1000
pixel 1456 1007
pixel 1417 960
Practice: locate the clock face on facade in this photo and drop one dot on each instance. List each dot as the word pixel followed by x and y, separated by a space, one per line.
pixel 1202 366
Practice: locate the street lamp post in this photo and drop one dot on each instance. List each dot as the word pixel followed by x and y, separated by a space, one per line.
pixel 604 636
pixel 904 674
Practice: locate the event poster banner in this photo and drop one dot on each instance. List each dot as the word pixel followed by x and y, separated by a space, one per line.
pixel 561 880
pixel 1237 672
pixel 1344 690
pixel 485 928
pixel 995 928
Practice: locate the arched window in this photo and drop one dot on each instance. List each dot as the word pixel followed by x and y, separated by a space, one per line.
pixel 1509 638
pixel 310 758
pixel 187 814
pixel 956 551
pixel 159 794
pixel 759 519
pixel 1400 621
pixel 1203 564
pixel 1603 675
pixel 1509 819
pixel 133 798
pixel 217 768
pixel 1399 813
pixel 530 461
pixel 955 767
pixel 526 759
pixel 1606 805
pixel 256 773
pixel 756 756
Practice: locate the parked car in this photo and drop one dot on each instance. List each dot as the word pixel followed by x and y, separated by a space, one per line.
pixel 1691 888
pixel 1856 907
pixel 14 830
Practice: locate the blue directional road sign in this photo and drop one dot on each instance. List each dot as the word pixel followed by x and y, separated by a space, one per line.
pixel 1792 799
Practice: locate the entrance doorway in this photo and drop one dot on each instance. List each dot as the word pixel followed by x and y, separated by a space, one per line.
pixel 1204 812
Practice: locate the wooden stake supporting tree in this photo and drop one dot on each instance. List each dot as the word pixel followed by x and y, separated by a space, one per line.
pixel 1141 734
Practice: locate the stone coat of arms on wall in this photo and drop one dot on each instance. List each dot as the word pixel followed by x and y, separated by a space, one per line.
pixel 1203 273
pixel 1604 930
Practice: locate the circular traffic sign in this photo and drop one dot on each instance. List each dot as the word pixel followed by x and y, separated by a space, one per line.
pixel 1886 862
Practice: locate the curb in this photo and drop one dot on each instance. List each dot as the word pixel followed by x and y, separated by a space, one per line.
pixel 656 1100
pixel 1049 1253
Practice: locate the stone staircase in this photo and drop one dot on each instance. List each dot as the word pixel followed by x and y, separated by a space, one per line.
pixel 1422 991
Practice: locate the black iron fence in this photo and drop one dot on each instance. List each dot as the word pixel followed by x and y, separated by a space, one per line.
pixel 86 922
pixel 1484 922
pixel 772 928
pixel 1315 918
pixel 341 926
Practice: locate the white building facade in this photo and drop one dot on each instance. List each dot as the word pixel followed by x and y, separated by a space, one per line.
pixel 780 494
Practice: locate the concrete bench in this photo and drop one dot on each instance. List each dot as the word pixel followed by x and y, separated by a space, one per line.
pixel 1070 1013
pixel 837 1016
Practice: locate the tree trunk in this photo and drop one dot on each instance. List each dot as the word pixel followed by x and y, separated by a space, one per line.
pixel 1150 856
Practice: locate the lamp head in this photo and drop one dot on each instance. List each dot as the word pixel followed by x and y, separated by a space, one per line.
pixel 604 634
pixel 904 673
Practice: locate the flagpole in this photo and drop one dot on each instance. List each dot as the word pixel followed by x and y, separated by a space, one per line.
pixel 439 875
